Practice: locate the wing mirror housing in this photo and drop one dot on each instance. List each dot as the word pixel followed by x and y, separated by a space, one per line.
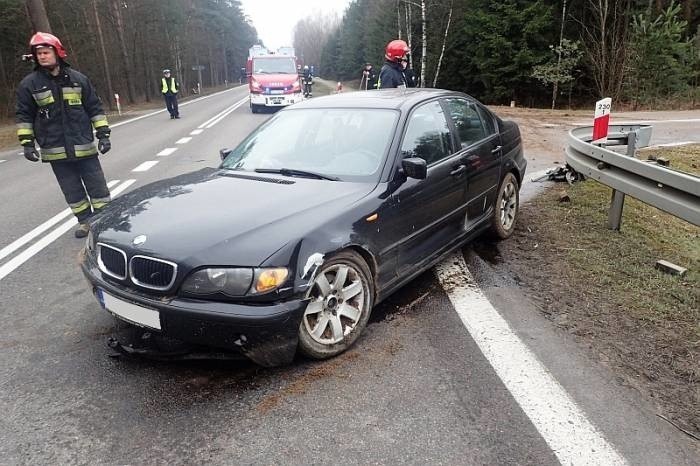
pixel 223 153
pixel 415 167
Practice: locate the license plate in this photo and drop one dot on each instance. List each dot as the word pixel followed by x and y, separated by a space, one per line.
pixel 276 101
pixel 128 311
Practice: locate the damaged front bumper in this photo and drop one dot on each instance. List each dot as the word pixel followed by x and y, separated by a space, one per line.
pixel 265 333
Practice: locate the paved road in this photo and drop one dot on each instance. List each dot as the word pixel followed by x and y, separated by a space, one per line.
pixel 419 387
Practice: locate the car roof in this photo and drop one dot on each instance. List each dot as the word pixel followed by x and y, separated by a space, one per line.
pixel 395 99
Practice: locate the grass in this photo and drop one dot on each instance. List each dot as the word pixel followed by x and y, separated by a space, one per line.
pixel 683 158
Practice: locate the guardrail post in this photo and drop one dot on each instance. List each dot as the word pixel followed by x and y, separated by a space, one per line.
pixel 617 203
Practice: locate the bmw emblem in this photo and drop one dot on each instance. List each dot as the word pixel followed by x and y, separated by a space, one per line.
pixel 139 240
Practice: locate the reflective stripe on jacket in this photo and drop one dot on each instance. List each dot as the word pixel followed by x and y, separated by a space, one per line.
pixel 164 86
pixel 60 112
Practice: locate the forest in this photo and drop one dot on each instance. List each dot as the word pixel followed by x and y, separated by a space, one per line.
pixel 537 53
pixel 123 45
pixel 642 53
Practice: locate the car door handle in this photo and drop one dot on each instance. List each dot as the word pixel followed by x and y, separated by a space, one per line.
pixel 459 169
pixel 497 150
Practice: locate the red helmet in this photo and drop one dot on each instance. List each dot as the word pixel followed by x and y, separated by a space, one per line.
pixel 46 39
pixel 396 50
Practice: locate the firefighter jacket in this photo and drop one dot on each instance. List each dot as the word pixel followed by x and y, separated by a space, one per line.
pixel 168 86
pixel 390 76
pixel 60 112
pixel 410 77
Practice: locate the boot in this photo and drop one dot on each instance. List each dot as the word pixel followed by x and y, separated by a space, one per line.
pixel 82 231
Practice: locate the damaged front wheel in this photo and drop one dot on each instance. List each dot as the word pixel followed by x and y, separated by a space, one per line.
pixel 340 301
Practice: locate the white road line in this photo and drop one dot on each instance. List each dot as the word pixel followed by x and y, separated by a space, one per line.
pixel 145 166
pixel 227 113
pixel 1 161
pixel 675 144
pixel 21 241
pixel 163 110
pixel 562 424
pixel 166 152
pixel 195 132
pixel 184 140
pixel 32 250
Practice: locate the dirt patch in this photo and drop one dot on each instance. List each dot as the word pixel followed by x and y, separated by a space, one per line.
pixel 602 286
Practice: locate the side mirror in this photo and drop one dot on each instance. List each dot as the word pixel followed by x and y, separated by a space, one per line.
pixel 415 167
pixel 223 153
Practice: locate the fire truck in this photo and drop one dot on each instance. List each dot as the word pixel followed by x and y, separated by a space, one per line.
pixel 273 77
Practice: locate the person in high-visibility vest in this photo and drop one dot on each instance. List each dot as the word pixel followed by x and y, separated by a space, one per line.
pixel 58 108
pixel 169 87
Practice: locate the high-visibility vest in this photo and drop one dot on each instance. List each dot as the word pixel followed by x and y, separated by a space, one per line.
pixel 173 87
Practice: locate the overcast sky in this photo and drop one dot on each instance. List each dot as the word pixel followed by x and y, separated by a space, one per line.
pixel 274 20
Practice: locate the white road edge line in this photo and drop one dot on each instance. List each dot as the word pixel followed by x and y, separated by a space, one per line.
pixel 166 152
pixel 560 422
pixel 196 132
pixel 226 114
pixel 1 161
pixel 184 140
pixel 116 125
pixel 32 250
pixel 675 144
pixel 145 166
pixel 21 241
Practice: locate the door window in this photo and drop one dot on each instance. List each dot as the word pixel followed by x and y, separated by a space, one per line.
pixel 466 120
pixel 427 135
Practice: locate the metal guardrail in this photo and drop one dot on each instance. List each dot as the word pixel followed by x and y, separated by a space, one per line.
pixel 675 192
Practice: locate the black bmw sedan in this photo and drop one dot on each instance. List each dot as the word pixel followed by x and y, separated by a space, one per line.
pixel 318 215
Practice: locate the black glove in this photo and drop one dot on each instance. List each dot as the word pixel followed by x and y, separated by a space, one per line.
pixel 104 145
pixel 31 154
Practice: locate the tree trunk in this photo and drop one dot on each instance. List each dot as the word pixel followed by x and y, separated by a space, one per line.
pixel 555 90
pixel 105 61
pixel 126 60
pixel 444 43
pixel 398 18
pixel 424 50
pixel 37 16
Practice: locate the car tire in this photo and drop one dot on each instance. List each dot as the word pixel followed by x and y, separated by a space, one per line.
pixel 337 312
pixel 506 209
pixel 254 108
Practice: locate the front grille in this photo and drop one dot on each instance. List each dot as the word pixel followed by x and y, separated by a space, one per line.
pixel 111 261
pixel 152 273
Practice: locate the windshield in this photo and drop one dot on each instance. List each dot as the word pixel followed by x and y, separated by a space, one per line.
pixel 279 65
pixel 349 144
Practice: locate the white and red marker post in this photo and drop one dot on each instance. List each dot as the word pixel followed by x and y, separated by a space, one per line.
pixel 601 121
pixel 119 105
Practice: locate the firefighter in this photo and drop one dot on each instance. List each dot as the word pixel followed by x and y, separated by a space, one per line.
pixel 169 87
pixel 369 78
pixel 307 81
pixel 391 74
pixel 58 107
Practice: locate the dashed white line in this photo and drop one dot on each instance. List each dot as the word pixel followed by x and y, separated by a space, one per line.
pixel 226 113
pixel 565 428
pixel 195 132
pixel 166 152
pixel 184 140
pixel 145 166
pixel 21 241
pixel 28 253
pixel 1 161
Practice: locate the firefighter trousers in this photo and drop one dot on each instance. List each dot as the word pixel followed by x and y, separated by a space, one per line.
pixel 83 185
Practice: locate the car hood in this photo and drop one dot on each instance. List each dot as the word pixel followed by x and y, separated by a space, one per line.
pixel 219 217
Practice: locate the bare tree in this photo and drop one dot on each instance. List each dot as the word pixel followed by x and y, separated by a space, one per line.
pixel 37 15
pixel 444 43
pixel 116 7
pixel 605 38
pixel 105 61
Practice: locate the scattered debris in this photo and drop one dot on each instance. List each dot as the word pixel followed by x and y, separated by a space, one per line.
pixel 565 173
pixel 663 161
pixel 564 197
pixel 671 268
